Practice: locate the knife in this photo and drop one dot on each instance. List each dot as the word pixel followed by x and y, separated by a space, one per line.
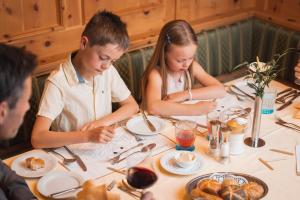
pixel 289 102
pixel 148 122
pixel 248 95
pixel 287 126
pixel 78 159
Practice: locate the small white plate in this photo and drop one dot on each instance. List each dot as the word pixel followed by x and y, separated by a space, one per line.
pixel 244 87
pixel 19 164
pixel 57 181
pixel 138 126
pixel 168 162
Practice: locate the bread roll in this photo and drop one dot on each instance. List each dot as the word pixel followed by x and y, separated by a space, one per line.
pixel 235 127
pixel 90 191
pixel 254 190
pixel 34 163
pixel 196 193
pixel 228 181
pixel 297 114
pixel 209 186
pixel 233 192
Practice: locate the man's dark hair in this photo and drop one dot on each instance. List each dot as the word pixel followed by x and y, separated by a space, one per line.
pixel 16 65
pixel 104 28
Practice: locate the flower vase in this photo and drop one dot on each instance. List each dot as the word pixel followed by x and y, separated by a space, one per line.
pixel 254 140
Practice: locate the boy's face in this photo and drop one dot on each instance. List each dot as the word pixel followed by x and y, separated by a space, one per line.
pixel 179 58
pixel 13 118
pixel 96 58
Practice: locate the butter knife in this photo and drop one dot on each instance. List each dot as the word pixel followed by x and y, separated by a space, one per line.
pixel 248 95
pixel 78 159
pixel 148 122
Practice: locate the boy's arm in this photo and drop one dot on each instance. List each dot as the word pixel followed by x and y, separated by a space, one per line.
pixel 128 108
pixel 43 138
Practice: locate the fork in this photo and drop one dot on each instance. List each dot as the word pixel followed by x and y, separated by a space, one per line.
pixel 136 137
pixel 281 121
pixel 66 161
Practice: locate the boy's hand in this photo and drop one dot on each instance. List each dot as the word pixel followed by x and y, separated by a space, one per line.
pixel 91 125
pixel 101 134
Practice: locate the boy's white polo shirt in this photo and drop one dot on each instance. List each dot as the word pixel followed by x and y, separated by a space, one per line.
pixel 72 101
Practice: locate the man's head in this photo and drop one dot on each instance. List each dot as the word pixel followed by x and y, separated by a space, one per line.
pixel 104 40
pixel 16 66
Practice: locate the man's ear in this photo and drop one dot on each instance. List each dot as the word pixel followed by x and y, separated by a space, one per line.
pixel 83 42
pixel 3 111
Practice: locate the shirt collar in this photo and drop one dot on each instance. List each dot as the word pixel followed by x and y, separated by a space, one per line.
pixel 73 76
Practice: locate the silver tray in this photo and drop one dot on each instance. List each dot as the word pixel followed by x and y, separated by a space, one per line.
pixel 193 183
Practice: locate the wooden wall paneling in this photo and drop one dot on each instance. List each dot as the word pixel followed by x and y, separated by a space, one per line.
pixel 10 15
pixel 41 14
pixel 71 12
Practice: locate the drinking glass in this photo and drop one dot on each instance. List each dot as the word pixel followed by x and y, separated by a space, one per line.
pixel 185 135
pixel 142 175
pixel 268 100
pixel 213 126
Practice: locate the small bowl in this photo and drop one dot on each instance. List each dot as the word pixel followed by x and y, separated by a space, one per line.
pixel 185 159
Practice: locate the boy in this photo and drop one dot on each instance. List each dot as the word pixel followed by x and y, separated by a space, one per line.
pixel 77 96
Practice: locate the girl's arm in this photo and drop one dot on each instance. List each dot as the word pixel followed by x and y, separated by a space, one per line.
pixel 156 106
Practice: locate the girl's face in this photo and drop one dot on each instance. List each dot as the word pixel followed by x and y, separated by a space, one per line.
pixel 179 58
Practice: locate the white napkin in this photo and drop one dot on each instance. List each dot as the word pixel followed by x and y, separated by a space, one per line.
pixel 298 159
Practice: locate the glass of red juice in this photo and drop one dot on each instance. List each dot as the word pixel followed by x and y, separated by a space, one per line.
pixel 185 135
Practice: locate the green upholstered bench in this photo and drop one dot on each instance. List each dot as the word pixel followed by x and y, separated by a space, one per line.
pixel 219 51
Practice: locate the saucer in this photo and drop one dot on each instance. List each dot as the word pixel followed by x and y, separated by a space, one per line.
pixel 168 162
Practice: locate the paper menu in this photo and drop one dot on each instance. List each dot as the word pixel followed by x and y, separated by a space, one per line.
pixel 298 159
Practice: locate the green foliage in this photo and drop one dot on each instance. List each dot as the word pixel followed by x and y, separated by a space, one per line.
pixel 260 76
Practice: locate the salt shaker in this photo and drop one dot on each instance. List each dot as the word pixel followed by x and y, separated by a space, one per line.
pixel 225 148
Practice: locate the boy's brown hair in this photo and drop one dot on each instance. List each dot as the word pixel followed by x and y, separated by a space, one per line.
pixel 106 28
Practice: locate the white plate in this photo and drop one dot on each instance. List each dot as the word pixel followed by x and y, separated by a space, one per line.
pixel 57 181
pixel 169 164
pixel 138 126
pixel 244 87
pixel 19 166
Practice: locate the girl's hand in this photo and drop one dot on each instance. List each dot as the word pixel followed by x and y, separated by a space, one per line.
pixel 204 107
pixel 176 97
pixel 101 134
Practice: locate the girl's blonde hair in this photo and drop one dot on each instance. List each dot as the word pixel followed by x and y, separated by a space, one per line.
pixel 177 32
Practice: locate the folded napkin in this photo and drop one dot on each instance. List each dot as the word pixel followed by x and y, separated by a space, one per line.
pixel 91 191
pixel 298 159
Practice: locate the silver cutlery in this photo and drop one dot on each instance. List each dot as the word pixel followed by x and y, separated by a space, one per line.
pixel 147 121
pixel 287 126
pixel 124 189
pixel 248 95
pixel 53 195
pixel 118 156
pixel 145 149
pixel 289 102
pixel 117 170
pixel 66 161
pixel 78 159
pixel 284 91
pixel 136 137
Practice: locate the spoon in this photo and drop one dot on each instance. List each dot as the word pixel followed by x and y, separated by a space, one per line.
pixel 116 158
pixel 66 161
pixel 145 149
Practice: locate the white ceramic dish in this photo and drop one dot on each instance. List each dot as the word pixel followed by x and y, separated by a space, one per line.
pixel 138 126
pixel 168 162
pixel 19 166
pixel 57 181
pixel 185 159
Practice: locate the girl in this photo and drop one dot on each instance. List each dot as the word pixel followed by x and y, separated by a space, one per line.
pixel 172 69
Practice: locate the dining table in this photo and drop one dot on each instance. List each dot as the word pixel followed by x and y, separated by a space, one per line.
pixel 282 180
